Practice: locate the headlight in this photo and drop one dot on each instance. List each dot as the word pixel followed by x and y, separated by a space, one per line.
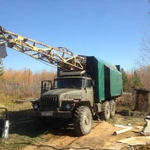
pixel 35 106
pixel 67 105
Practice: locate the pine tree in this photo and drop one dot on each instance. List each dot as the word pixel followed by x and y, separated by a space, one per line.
pixel 125 80
pixel 136 82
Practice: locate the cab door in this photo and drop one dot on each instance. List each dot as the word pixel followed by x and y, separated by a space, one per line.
pixel 89 92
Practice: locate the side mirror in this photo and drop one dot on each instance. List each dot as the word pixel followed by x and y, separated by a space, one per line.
pixel 46 85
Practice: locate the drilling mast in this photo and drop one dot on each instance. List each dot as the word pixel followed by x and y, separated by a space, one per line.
pixel 58 56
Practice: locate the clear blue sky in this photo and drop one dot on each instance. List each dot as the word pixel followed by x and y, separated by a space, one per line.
pixel 111 30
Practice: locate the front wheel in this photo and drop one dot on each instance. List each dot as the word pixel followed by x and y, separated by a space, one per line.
pixel 82 120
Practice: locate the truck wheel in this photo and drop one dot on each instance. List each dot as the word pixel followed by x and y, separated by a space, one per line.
pixel 112 108
pixel 105 115
pixel 82 120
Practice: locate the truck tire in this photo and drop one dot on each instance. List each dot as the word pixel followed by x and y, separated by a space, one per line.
pixel 82 120
pixel 105 115
pixel 112 108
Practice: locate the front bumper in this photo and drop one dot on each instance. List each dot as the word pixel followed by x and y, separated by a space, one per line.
pixel 55 114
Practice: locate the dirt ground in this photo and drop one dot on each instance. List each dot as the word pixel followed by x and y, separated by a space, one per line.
pixel 60 135
pixel 100 137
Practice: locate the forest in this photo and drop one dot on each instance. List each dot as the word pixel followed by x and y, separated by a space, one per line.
pixel 22 84
pixel 26 84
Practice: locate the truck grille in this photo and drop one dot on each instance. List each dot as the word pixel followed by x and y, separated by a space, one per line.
pixel 49 103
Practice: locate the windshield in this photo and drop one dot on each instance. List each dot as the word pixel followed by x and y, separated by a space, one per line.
pixel 69 83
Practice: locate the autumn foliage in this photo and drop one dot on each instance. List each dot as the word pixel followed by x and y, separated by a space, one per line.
pixel 139 78
pixel 26 84
pixel 23 84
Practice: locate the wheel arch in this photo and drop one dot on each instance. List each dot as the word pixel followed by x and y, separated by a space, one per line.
pixel 82 103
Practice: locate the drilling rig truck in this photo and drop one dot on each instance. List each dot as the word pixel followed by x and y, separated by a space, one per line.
pixel 85 86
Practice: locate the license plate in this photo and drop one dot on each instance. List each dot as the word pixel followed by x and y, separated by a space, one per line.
pixel 50 113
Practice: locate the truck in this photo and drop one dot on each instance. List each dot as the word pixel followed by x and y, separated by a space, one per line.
pixel 85 86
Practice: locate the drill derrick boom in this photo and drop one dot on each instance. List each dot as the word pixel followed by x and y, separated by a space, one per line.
pixel 58 56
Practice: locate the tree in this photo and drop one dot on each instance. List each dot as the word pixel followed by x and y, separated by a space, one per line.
pixel 125 79
pixel 143 60
pixel 23 83
pixel 136 82
pixel 144 75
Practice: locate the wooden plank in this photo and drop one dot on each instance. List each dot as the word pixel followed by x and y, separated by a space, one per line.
pixel 122 131
pixel 140 140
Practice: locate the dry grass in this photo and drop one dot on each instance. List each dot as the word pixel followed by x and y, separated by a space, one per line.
pixel 21 134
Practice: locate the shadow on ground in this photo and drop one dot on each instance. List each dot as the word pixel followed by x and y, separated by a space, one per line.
pixel 22 124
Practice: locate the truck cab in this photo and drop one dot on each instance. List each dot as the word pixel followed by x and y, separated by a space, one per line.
pixel 65 93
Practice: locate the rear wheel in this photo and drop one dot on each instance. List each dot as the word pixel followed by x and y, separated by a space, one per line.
pixel 105 115
pixel 82 120
pixel 112 108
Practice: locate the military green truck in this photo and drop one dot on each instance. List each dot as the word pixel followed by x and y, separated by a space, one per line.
pixel 80 95
pixel 84 87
